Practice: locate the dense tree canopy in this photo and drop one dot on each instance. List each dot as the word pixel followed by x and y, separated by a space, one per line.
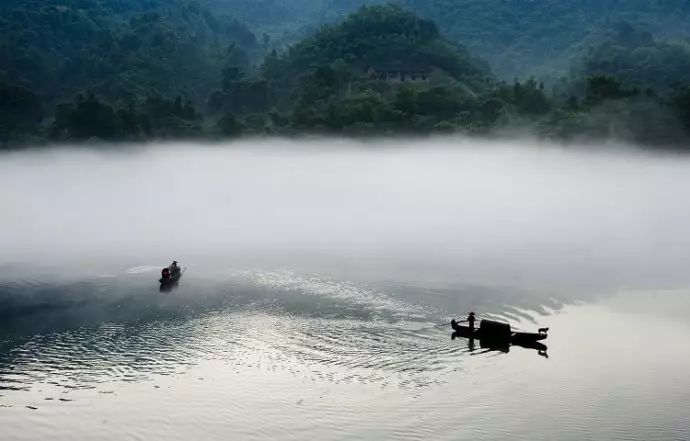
pixel 147 69
pixel 518 37
pixel 323 81
pixel 636 58
pixel 526 37
pixel 121 49
pixel 340 54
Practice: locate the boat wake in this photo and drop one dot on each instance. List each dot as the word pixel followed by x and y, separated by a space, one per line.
pixel 346 294
pixel 81 334
pixel 142 269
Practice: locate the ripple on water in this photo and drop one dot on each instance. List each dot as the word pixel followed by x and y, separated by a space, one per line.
pixel 142 269
pixel 326 350
pixel 315 327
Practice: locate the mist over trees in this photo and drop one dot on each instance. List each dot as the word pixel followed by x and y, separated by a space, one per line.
pixel 637 58
pixel 166 69
pixel 519 38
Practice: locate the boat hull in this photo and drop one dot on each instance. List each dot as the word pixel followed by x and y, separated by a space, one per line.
pixel 526 337
pixel 174 277
pixel 169 280
pixel 517 338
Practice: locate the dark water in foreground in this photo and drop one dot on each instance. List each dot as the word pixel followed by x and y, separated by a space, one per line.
pixel 322 277
pixel 256 354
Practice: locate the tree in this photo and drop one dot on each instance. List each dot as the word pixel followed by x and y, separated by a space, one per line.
pixel 601 88
pixel 680 101
pixel 228 125
pixel 87 117
pixel 20 110
pixel 406 100
pixel 530 98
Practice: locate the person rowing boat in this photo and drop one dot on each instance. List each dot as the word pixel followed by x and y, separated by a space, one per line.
pixel 171 273
pixel 495 331
pixel 470 319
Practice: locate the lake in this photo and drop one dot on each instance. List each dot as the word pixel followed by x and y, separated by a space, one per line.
pixel 321 277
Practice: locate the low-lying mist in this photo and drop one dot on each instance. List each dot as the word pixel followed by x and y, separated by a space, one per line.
pixel 508 212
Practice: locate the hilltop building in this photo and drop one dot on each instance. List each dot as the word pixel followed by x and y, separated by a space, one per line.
pixel 399 73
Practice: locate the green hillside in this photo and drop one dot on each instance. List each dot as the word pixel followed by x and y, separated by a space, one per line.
pixel 120 49
pixel 324 80
pixel 517 37
pixel 138 70
pixel 636 58
pixel 524 37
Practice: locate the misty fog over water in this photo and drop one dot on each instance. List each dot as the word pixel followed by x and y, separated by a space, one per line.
pixel 512 213
pixel 321 277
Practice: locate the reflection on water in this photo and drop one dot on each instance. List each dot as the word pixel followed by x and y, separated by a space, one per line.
pixel 359 358
pixel 169 287
pixel 489 345
pixel 309 319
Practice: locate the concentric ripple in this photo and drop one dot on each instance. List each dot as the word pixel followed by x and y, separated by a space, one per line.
pixel 317 326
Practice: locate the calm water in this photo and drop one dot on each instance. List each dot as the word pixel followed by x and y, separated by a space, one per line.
pixel 319 288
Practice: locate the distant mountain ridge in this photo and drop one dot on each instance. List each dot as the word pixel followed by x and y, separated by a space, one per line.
pixel 126 70
pixel 524 37
pixel 517 37
pixel 117 47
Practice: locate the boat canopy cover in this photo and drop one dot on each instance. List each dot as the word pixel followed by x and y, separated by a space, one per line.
pixel 492 329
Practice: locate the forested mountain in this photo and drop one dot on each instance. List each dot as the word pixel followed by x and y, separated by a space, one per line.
pixel 527 37
pixel 637 58
pixel 120 49
pixel 326 80
pixel 518 38
pixel 124 51
pixel 151 69
pixel 384 34
pixel 290 17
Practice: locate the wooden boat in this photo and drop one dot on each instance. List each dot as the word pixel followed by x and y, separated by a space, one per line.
pixel 498 332
pixel 171 274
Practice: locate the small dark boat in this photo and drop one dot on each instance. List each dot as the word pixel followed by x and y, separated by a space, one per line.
pixel 171 274
pixel 498 332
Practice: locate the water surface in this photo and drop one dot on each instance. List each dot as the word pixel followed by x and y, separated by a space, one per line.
pixel 322 276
